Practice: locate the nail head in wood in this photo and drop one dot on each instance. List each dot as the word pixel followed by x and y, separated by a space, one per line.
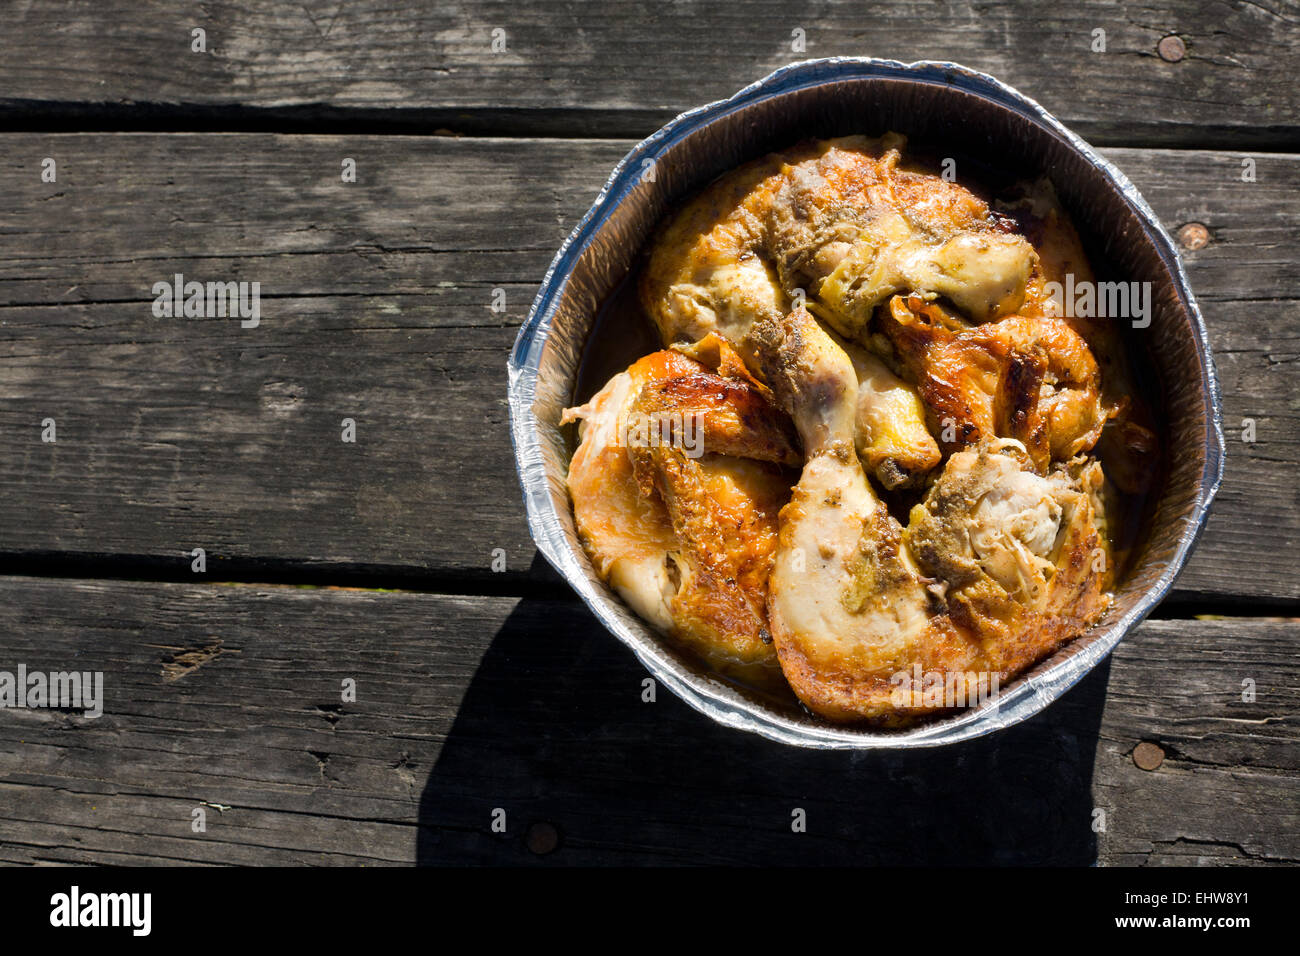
pixel 1148 756
pixel 1171 49
pixel 1194 235
pixel 542 838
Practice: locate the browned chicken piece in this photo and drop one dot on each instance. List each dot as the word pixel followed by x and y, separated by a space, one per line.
pixel 890 433
pixel 1030 379
pixel 839 220
pixel 1004 539
pixel 708 270
pixel 997 567
pixel 1129 443
pixel 735 414
pixel 851 226
pixel 679 524
pixel 1061 260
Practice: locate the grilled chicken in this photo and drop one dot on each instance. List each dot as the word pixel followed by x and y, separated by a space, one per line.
pixel 834 309
pixel 997 566
pixel 839 223
pixel 676 486
pixel 1033 380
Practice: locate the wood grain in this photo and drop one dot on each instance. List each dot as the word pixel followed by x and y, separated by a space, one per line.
pixel 622 68
pixel 182 433
pixel 465 705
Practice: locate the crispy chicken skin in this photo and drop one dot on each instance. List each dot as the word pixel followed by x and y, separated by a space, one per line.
pixel 841 315
pixel 686 539
pixel 1033 380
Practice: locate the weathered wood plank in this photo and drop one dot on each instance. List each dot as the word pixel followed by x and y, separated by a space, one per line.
pixel 622 68
pixel 466 705
pixel 182 433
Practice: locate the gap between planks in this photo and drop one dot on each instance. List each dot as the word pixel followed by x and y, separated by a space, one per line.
pixel 34 116
pixel 546 585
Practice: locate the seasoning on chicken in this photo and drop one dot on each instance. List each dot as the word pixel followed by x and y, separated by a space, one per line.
pixel 996 568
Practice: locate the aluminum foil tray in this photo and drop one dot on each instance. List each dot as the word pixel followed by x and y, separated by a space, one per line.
pixel 930 102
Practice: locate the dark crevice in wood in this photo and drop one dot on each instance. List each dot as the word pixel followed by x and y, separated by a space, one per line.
pixel 1189 605
pixel 232 807
pixel 1166 845
pixel 39 116
pixel 540 582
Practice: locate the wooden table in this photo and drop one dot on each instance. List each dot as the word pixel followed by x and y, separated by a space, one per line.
pixel 326 561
